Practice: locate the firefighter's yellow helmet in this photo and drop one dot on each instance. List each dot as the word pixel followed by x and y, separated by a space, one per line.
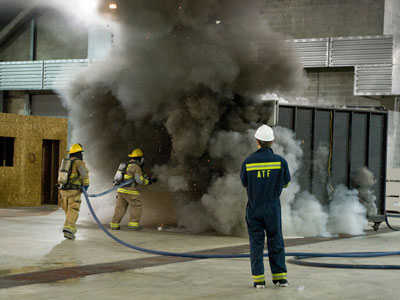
pixel 136 153
pixel 75 148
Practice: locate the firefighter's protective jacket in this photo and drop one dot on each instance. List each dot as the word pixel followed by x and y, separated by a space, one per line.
pixel 133 171
pixel 79 173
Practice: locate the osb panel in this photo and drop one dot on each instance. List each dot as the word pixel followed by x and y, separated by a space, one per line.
pixel 21 184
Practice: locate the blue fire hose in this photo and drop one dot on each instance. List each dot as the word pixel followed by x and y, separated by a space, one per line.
pixel 298 255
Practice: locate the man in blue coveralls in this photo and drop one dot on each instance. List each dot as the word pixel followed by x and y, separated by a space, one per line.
pixel 265 174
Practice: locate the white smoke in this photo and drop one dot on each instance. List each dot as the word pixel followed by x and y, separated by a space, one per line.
pixel 225 204
pixel 302 213
pixel 346 213
pixel 225 201
pixel 308 216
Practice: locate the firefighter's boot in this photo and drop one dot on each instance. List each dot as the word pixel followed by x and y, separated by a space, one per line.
pixel 69 232
pixel 134 226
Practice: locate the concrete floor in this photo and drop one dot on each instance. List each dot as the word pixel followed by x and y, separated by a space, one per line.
pixel 38 263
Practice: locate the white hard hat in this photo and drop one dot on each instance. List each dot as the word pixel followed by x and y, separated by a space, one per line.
pixel 264 133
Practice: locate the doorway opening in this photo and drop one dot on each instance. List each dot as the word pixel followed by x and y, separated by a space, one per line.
pixel 6 151
pixel 50 164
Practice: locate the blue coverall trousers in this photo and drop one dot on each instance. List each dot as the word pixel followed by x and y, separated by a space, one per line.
pixel 269 222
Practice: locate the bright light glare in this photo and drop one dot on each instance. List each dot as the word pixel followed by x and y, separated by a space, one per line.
pixel 84 12
pixel 88 5
pixel 112 6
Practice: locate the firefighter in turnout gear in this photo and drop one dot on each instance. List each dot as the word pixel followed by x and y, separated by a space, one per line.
pixel 78 177
pixel 129 195
pixel 264 175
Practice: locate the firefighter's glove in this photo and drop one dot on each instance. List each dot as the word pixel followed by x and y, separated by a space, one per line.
pixel 152 180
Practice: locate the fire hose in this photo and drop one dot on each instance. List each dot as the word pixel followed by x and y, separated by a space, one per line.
pixel 298 256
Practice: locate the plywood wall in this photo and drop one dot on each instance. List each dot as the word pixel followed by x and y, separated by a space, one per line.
pixel 20 185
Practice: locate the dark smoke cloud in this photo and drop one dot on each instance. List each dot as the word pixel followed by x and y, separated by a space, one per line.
pixel 181 79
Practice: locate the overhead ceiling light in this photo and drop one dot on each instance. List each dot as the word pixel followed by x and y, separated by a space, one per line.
pixel 112 6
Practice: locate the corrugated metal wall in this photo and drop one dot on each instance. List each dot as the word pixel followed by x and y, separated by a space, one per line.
pixel 313 52
pixel 359 138
pixel 24 75
pixel 362 50
pixel 373 80
pixel 372 57
pixel 58 73
pixel 39 75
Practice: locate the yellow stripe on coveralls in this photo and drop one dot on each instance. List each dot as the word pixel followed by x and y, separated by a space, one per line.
pixel 259 278
pixel 263 166
pixel 278 276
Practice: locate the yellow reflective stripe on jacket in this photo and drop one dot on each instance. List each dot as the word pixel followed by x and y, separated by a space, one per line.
pixel 72 179
pixel 286 185
pixel 263 166
pixel 124 191
pixel 128 177
pixel 259 278
pixel 278 276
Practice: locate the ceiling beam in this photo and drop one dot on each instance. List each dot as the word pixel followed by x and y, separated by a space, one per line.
pixel 15 24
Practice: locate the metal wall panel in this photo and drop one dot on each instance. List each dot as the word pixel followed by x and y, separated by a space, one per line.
pixel 322 134
pixel 373 80
pixel 39 75
pixel 304 133
pixel 352 51
pixel 358 142
pixel 58 73
pixel 286 117
pixel 24 75
pixel 340 146
pixel 48 105
pixel 377 154
pixel 358 139
pixel 313 52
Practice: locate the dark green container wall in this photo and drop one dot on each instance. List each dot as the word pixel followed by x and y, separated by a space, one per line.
pixel 304 133
pixel 340 148
pixel 359 138
pixel 377 148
